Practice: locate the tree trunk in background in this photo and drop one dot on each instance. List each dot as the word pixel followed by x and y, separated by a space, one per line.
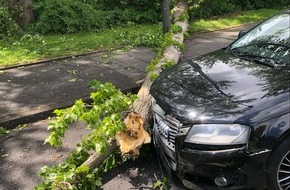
pixel 21 11
pixel 165 16
pixel 28 15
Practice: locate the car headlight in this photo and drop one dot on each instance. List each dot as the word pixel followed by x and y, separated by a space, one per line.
pixel 218 134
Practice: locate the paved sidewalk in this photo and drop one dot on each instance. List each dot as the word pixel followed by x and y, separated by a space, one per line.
pixel 201 43
pixel 29 93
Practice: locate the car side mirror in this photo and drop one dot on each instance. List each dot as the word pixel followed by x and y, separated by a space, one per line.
pixel 241 33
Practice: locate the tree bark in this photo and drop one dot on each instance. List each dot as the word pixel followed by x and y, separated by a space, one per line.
pixel 96 159
pixel 143 103
pixel 165 16
pixel 26 14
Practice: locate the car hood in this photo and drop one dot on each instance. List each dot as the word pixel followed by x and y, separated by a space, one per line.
pixel 219 87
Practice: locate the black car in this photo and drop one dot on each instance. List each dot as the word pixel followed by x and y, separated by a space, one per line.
pixel 221 120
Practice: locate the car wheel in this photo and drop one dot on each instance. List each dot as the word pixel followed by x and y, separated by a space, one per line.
pixel 278 167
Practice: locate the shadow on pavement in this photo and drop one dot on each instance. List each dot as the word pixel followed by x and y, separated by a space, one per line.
pixel 23 154
pixel 140 174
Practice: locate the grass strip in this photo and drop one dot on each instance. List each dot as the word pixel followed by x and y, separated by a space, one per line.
pixel 34 47
pixel 231 20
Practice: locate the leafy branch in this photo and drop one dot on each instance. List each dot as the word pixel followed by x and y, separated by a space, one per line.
pixel 108 104
pixel 103 118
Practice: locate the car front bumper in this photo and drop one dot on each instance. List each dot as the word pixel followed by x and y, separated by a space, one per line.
pixel 199 168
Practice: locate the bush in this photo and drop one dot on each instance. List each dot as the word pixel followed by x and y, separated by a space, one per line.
pixel 70 16
pixel 209 8
pixel 258 4
pixel 202 9
pixel 8 27
pixel 138 5
pixel 64 16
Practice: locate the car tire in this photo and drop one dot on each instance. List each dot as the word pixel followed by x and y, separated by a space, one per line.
pixel 278 167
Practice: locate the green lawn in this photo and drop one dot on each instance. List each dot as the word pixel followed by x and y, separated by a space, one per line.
pixel 34 47
pixel 30 48
pixel 231 20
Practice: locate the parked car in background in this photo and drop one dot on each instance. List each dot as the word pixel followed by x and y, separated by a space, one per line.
pixel 222 120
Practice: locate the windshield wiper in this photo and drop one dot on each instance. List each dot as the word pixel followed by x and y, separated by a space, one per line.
pixel 255 58
pixel 258 59
pixel 231 50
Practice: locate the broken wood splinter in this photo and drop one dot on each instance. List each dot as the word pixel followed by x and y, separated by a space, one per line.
pixel 134 136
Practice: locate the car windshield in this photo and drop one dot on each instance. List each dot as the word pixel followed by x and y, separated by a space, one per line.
pixel 269 42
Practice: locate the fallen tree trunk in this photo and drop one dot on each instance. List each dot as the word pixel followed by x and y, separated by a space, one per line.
pixel 171 53
pixel 96 160
pixel 142 105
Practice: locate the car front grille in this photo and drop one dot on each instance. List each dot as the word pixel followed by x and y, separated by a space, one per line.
pixel 168 127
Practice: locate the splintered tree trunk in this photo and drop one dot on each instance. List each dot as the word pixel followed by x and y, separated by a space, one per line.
pixel 142 105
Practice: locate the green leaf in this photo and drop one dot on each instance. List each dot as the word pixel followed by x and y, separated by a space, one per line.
pixel 3 131
pixel 58 112
pixel 22 126
pixel 53 139
pixel 72 80
pixel 98 182
pixel 82 169
pixel 157 184
pixel 98 147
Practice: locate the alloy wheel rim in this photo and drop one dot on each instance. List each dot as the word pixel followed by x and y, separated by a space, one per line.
pixel 283 175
